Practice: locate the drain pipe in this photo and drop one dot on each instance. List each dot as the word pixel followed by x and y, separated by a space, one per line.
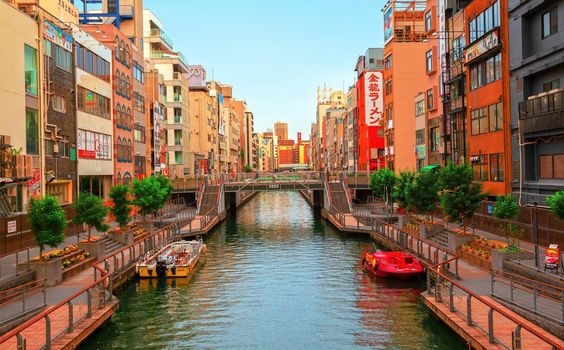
pixel 521 145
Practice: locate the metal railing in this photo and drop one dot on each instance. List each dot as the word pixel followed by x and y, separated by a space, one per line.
pixel 536 106
pixel 533 296
pixel 162 35
pixel 7 272
pixel 166 54
pixel 32 297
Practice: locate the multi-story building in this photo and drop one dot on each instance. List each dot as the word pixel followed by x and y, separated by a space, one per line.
pixel 250 145
pixel 487 86
pixel 20 122
pixel 351 130
pixel 159 51
pixel 326 98
pixel 420 131
pixel 203 130
pixel 537 107
pixel 370 110
pixel 122 69
pixel 94 115
pixel 239 139
pixel 155 95
pixel 285 153
pixel 404 35
pixel 265 150
pixel 281 130
pixel 139 113
pixel 333 138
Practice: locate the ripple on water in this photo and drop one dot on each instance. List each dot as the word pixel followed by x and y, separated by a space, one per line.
pixel 275 277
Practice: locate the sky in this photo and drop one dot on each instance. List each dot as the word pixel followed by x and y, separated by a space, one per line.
pixel 274 52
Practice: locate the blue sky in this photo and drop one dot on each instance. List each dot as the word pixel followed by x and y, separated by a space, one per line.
pixel 274 53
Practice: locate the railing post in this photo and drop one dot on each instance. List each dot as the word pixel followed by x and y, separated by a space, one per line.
pixel 429 282
pixel 535 296
pixel 47 332
pixel 491 336
pixel 71 317
pixel 20 342
pixel 122 260
pixel 44 289
pixel 469 310
pixel 23 299
pixel 451 297
pixel 511 287
pixel 89 303
pixel 517 338
pixel 492 282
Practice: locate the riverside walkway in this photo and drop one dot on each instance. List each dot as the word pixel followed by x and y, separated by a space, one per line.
pixel 460 295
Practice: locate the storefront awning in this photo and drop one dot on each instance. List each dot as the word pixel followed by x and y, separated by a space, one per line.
pixel 429 167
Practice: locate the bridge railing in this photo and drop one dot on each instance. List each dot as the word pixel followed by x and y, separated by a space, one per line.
pixel 273 177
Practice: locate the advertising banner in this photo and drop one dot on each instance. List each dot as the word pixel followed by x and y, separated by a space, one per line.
pixel 221 116
pixel 196 76
pixel 482 46
pixel 373 98
pixel 388 24
pixel 57 35
pixel 34 184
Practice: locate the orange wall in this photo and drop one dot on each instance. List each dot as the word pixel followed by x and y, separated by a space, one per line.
pixel 499 141
pixel 408 78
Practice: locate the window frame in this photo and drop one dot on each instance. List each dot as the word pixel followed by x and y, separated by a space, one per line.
pixel 552 17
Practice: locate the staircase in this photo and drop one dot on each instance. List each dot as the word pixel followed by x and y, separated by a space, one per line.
pixel 209 199
pixel 440 238
pixel 110 245
pixel 339 197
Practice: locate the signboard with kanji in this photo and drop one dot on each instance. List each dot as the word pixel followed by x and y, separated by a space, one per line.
pixel 373 98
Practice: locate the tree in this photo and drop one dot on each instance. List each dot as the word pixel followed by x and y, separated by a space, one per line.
pixel 422 194
pixel 48 222
pixel 460 196
pixel 382 182
pixel 151 193
pixel 404 180
pixel 556 202
pixel 90 211
pixel 507 208
pixel 122 205
pixel 248 168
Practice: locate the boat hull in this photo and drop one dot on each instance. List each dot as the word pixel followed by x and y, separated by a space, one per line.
pixel 392 265
pixel 185 270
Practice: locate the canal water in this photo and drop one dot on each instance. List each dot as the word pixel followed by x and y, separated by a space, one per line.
pixel 276 276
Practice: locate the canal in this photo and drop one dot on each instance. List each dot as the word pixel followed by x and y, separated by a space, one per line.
pixel 276 276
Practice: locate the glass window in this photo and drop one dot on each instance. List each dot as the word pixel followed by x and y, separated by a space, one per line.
pixel 419 108
pixel 31 131
pixel 79 53
pixel 428 20
pixel 429 61
pixel 30 67
pixel 388 62
pixel 58 103
pixel 472 30
pixel 178 157
pixel 496 117
pixel 551 85
pixel 549 22
pixel 435 139
pixel 63 58
pixel 92 103
pixel 430 99
pixel 496 167
pixel 479 119
pixel 490 70
pixel 496 22
pixel 420 137
pixel 88 62
pixel 551 166
pixel 47 48
pixel 480 167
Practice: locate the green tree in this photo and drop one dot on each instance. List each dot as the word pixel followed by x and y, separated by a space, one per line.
pixel 556 202
pixel 151 193
pixel 382 183
pixel 48 222
pixel 167 188
pixel 459 195
pixel 90 211
pixel 248 168
pixel 507 208
pixel 122 205
pixel 405 179
pixel 422 194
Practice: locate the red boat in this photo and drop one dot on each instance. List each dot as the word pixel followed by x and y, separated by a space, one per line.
pixel 398 265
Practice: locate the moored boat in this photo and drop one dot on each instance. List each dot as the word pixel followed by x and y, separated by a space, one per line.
pixel 392 264
pixel 178 259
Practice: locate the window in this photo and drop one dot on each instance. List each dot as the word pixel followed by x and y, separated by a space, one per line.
pixel 92 103
pixel 49 147
pixel 428 21
pixel 429 61
pixel 93 145
pixel 138 72
pixel 178 157
pixel 31 131
pixel 140 165
pixel 139 133
pixel 64 150
pixel 138 102
pixel 92 63
pixel 47 48
pixel 30 68
pixel 485 72
pixel 420 137
pixel 551 85
pixel 388 87
pixel 496 167
pixel 484 22
pixel 434 139
pixel 128 88
pixel 63 58
pixel 129 119
pixel 419 108
pixel 430 99
pixel 549 22
pixel 479 119
pixel 58 103
pixel 480 167
pixel 178 137
pixel 388 62
pixel 117 82
pixel 496 117
pixel 59 191
pixel 551 166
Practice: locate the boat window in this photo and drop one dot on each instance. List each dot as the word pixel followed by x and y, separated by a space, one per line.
pixel 409 260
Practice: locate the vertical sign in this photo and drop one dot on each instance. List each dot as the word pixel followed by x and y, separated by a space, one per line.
pixel 388 24
pixel 373 98
pixel 221 118
pixel 157 111
pixel 442 41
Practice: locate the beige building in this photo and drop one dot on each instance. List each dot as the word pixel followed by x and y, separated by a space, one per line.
pixel 281 130
pixel 203 128
pixel 20 95
pixel 158 49
pixel 265 155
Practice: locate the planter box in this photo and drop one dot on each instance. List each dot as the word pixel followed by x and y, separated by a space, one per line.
pixel 455 241
pixel 51 270
pixel 78 267
pixel 95 248
pixel 125 238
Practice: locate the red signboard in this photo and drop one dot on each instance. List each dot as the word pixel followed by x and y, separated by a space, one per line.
pixel 86 154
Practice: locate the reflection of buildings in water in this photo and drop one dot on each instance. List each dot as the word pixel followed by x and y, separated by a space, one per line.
pixel 388 311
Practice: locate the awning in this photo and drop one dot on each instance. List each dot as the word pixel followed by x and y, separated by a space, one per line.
pixel 429 167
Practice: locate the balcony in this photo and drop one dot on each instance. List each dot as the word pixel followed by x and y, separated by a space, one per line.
pixel 165 40
pixel 166 55
pixel 544 112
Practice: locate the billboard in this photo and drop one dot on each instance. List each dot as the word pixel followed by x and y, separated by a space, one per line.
pixel 196 76
pixel 58 36
pixel 388 24
pixel 373 98
pixel 221 117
